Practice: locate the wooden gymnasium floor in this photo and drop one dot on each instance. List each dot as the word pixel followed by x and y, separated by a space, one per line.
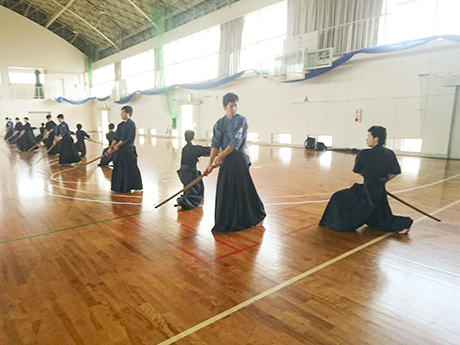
pixel 82 266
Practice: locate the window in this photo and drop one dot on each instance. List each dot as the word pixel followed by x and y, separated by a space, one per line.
pixel 253 137
pixel 404 20
pixel 281 138
pixel 141 131
pixel 406 145
pixel 153 131
pixel 263 34
pixel 19 75
pixel 193 58
pixel 103 81
pixel 325 139
pixel 139 71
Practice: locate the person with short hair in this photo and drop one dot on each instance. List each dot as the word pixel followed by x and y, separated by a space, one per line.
pixel 108 157
pixel 50 134
pixel 9 128
pixel 125 175
pixel 188 172
pixel 68 153
pixel 367 203
pixel 29 137
pixel 18 135
pixel 238 205
pixel 80 144
pixel 42 130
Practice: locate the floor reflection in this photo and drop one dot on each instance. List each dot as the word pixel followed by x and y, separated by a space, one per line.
pixel 410 165
pixel 325 159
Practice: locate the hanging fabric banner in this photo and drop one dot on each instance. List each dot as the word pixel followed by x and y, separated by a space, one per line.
pixel 387 48
pixel 212 83
pixel 80 101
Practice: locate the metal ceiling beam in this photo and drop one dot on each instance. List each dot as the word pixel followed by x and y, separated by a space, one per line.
pixel 172 14
pixel 74 38
pixel 144 14
pixel 17 4
pixel 175 12
pixel 99 21
pixel 91 26
pixel 27 11
pixel 180 10
pixel 58 13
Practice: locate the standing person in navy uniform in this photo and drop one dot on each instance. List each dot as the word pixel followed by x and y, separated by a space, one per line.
pixel 125 175
pixel 68 152
pixel 367 203
pixel 50 134
pixel 29 137
pixel 238 205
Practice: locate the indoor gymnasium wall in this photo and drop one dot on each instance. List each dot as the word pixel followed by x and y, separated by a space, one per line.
pixel 26 44
pixel 403 91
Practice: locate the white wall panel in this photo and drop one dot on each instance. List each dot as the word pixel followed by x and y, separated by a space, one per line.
pixel 383 113
pixel 386 77
pixel 408 120
pixel 387 88
pixel 436 122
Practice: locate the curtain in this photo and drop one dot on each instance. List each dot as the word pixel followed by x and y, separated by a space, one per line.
pixel 346 25
pixel 159 68
pixel 230 46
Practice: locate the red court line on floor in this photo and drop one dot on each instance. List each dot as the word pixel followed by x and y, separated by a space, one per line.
pixel 172 243
pixel 255 245
pixel 226 244
pixel 235 252
pixel 219 241
pixel 294 231
pixel 189 253
pixel 188 227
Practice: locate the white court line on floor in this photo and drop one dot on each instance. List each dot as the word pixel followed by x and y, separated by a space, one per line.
pixel 266 204
pixel 291 281
pixel 98 201
pixel 426 185
pixel 395 192
pixel 329 193
pixel 146 197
